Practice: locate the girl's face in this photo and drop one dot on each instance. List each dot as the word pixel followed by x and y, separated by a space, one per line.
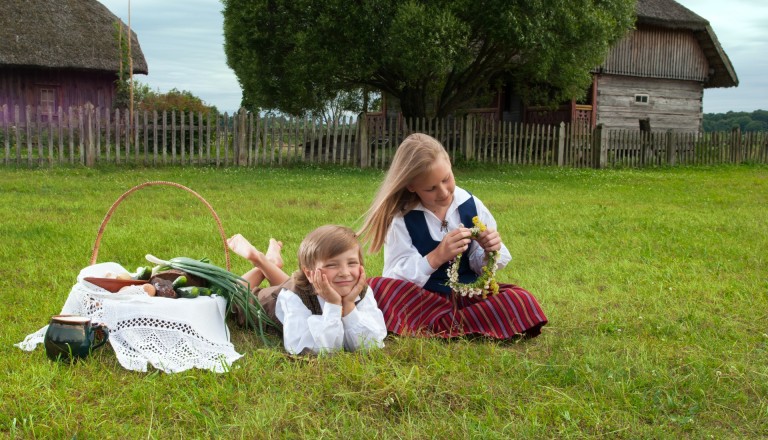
pixel 342 270
pixel 435 187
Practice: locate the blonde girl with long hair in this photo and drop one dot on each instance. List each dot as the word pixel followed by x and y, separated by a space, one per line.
pixel 420 218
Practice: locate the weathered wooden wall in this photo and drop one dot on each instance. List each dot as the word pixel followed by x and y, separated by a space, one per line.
pixel 672 104
pixel 658 53
pixel 21 86
pixel 668 65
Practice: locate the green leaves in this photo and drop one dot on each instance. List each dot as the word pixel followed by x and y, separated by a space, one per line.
pixel 435 57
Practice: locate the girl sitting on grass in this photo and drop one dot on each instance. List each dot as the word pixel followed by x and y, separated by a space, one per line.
pixel 324 306
pixel 437 277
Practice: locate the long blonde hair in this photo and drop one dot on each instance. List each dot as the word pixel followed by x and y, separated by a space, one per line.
pixel 321 244
pixel 416 155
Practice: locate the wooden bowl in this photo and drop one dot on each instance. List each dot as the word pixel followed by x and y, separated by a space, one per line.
pixel 112 284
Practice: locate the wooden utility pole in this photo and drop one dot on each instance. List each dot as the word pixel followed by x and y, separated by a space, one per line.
pixel 130 64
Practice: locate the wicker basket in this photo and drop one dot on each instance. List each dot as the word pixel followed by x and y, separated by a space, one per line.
pixel 108 216
pixel 253 302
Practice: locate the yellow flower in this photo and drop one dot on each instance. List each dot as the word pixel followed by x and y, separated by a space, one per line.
pixel 478 224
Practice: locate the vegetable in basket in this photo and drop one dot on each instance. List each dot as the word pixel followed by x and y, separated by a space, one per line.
pixel 234 288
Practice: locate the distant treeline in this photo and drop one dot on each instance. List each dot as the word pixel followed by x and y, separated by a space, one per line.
pixel 754 121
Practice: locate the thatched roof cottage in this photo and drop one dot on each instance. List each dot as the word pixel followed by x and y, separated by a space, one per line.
pixel 60 53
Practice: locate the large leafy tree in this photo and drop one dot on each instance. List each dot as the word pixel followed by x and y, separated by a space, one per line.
pixel 435 56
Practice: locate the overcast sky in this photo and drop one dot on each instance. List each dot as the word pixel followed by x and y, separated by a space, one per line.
pixel 183 43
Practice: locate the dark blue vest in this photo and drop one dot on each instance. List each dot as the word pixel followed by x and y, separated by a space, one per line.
pixel 416 224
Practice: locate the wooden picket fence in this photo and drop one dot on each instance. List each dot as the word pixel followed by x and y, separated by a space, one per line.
pixel 91 136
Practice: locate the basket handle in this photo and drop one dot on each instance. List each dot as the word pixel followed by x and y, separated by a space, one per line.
pixel 95 252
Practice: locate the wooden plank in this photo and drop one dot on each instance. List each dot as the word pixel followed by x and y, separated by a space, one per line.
pixel 108 134
pixel 28 129
pixel 38 136
pixel 116 121
pixel 50 131
pixel 191 137
pixel 71 130
pixel 273 139
pixel 343 141
pixel 227 137
pixel 173 137
pixel 183 133
pixel 6 135
pixel 200 143
pixel 208 133
pixel 164 142
pixel 136 130
pixel 155 140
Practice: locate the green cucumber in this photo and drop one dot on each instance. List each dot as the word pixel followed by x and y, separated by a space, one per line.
pixel 143 273
pixel 192 291
pixel 188 292
pixel 180 281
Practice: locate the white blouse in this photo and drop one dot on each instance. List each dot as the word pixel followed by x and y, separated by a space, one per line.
pixel 403 261
pixel 363 327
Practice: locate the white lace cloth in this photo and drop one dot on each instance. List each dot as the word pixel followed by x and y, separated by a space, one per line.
pixel 172 335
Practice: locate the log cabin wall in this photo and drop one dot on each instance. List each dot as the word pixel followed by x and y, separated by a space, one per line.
pixel 654 73
pixel 669 104
pixel 658 53
pixel 56 87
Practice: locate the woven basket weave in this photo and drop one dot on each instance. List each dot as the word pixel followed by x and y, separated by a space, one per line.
pixel 108 216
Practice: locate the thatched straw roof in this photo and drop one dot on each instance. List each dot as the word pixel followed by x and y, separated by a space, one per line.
pixel 74 34
pixel 673 15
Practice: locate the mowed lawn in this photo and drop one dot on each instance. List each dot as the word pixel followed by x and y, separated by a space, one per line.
pixel 655 283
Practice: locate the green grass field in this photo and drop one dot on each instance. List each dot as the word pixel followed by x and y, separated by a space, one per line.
pixel 655 283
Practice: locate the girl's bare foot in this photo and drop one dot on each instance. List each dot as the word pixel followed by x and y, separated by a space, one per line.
pixel 243 248
pixel 274 252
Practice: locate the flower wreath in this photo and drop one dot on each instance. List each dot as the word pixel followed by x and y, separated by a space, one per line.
pixel 486 282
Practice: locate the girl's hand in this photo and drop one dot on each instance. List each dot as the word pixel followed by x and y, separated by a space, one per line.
pixel 348 300
pixel 454 243
pixel 323 287
pixel 489 240
pixel 359 287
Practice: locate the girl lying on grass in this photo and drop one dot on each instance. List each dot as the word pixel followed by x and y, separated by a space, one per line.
pixel 324 306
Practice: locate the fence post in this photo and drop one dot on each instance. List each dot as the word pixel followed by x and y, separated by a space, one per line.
pixel 469 138
pixel 671 158
pixel 362 142
pixel 736 144
pixel 241 149
pixel 561 145
pixel 90 147
pixel 4 132
pixel 598 158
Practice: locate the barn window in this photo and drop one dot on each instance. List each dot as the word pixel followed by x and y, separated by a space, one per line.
pixel 47 100
pixel 641 98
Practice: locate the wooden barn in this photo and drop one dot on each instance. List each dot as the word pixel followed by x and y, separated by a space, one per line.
pixel 60 53
pixel 657 74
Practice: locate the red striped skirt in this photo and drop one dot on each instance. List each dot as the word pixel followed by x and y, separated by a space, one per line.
pixel 410 310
